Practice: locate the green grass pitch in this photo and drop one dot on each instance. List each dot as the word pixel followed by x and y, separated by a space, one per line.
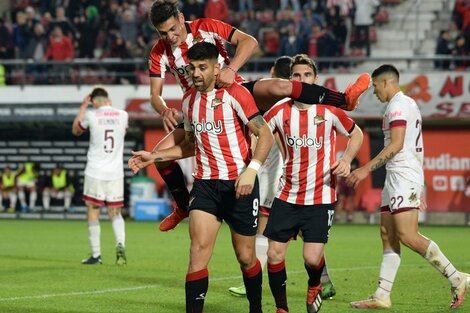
pixel 40 270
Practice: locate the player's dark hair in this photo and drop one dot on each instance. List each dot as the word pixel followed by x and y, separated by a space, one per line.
pixel 386 69
pixel 98 92
pixel 162 10
pixel 282 67
pixel 305 60
pixel 203 51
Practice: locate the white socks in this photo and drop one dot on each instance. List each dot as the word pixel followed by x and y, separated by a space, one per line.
pixel 325 276
pixel 22 197
pixel 118 228
pixel 94 232
pixel 33 195
pixel 388 271
pixel 439 261
pixel 262 249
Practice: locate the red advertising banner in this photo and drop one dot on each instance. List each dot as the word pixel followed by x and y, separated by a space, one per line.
pixel 446 169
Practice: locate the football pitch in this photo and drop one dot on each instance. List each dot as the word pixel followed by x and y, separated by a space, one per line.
pixel 40 270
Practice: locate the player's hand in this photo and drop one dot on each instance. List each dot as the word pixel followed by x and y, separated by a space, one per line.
pixel 225 78
pixel 245 182
pixel 139 160
pixel 357 176
pixel 169 119
pixel 341 168
pixel 86 101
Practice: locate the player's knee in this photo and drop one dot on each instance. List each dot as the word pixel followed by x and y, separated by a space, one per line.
pixel 275 256
pixel 312 260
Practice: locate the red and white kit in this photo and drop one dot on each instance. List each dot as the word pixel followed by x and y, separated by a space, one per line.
pixel 218 120
pixel 163 56
pixel 308 137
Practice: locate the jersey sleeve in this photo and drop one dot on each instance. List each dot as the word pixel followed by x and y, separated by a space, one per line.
pixel 85 122
pixel 158 61
pixel 342 122
pixel 271 115
pixel 220 29
pixel 243 102
pixel 396 114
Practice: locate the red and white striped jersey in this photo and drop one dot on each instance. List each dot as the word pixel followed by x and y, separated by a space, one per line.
pixel 402 111
pixel 163 56
pixel 308 137
pixel 107 127
pixel 217 119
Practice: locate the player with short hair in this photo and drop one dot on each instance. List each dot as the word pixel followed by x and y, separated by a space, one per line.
pixel 104 172
pixel 402 195
pixel 177 36
pixel 306 194
pixel 225 186
pixel 8 189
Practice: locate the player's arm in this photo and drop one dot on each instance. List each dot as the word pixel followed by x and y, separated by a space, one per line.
pixel 246 44
pixel 168 114
pixel 342 167
pixel 246 180
pixel 397 139
pixel 141 159
pixel 76 129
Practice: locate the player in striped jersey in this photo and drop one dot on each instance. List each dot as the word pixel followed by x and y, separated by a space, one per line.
pixel 402 195
pixel 306 193
pixel 104 173
pixel 225 188
pixel 169 53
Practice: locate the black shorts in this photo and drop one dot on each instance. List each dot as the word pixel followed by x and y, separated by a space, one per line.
pixel 286 219
pixel 217 197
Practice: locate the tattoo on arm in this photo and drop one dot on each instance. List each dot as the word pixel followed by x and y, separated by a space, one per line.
pixel 381 162
pixel 258 121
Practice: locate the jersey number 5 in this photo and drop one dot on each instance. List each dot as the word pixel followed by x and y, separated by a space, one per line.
pixel 108 141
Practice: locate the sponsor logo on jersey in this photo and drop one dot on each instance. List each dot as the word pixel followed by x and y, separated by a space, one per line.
pixel 181 70
pixel 216 102
pixel 304 141
pixel 214 127
pixel 318 120
pixel 197 39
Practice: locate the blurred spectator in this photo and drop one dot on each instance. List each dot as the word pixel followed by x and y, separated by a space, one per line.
pixel 193 9
pixel 61 20
pixel 346 196
pixel 363 19
pixel 216 9
pixel 251 24
pixel 290 44
pixel 121 49
pixel 443 47
pixel 109 23
pixel 285 21
pixel 60 48
pixel 460 50
pixel 304 29
pixel 292 4
pixel 462 14
pixel 35 53
pixel 128 26
pixel 339 17
pixel 59 186
pixel 315 35
pixel 88 25
pixel 245 5
pixel 328 46
pixel 8 189
pixel 6 51
pixel 31 18
pixel 20 35
pixel 26 181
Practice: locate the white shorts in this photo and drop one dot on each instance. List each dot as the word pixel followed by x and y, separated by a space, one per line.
pixel 108 193
pixel 400 194
pixel 28 184
pixel 268 182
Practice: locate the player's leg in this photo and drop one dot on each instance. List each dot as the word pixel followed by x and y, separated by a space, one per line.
pixel 68 194
pixel 2 208
pixel 92 195
pixel 203 229
pixel 114 201
pixel 407 229
pixel 33 195
pixel 328 289
pixel 13 196
pixel 277 273
pixel 22 197
pixel 173 176
pixel 268 91
pixel 314 263
pixel 46 198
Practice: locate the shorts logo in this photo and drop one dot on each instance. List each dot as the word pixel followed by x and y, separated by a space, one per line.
pixel 216 102
pixel 304 142
pixel 318 120
pixel 214 127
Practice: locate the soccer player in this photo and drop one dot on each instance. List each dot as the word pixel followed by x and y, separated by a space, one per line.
pixel 177 36
pixel 58 187
pixel 306 195
pixel 268 176
pixel 8 189
pixel 104 172
pixel 26 180
pixel 402 194
pixel 225 188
